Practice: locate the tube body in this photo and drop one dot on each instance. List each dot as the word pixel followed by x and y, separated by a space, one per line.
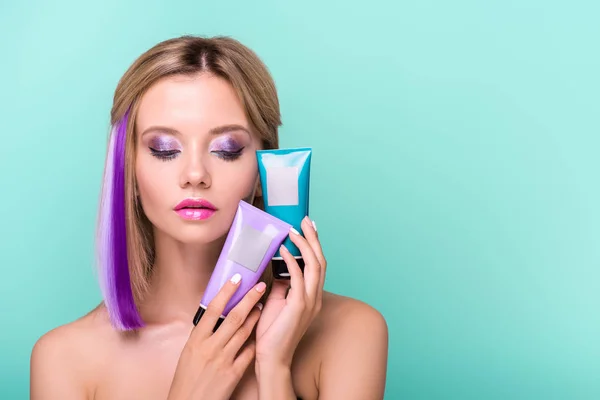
pixel 285 182
pixel 254 237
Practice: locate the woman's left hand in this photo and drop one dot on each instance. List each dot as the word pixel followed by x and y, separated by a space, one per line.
pixel 284 320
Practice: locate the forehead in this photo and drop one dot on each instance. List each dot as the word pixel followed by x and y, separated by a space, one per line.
pixel 196 102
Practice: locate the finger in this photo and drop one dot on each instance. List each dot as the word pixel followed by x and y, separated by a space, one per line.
pixel 243 360
pixel 309 228
pixel 310 233
pixel 279 289
pixel 236 317
pixel 312 268
pixel 297 292
pixel 243 333
pixel 206 324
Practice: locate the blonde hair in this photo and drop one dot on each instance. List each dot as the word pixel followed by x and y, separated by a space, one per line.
pixel 126 243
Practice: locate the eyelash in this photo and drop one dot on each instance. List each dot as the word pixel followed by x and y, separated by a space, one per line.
pixel 228 155
pixel 166 155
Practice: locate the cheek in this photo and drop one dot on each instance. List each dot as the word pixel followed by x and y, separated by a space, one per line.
pixel 250 189
pixel 236 181
pixel 245 180
pixel 151 182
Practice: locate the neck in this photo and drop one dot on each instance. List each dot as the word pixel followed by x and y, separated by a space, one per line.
pixel 180 276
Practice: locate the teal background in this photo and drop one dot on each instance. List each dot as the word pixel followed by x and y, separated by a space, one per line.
pixel 454 174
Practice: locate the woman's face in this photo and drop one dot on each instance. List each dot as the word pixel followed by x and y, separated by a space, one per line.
pixel 194 142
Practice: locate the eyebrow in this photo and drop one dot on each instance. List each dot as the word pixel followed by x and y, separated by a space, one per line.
pixel 228 128
pixel 219 130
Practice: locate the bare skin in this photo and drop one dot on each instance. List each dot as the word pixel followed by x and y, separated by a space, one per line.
pixel 88 359
pixel 336 347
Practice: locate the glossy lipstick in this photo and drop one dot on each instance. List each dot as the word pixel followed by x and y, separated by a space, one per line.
pixel 195 209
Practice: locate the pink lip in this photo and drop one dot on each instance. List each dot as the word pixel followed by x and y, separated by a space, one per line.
pixel 185 210
pixel 192 202
pixel 195 214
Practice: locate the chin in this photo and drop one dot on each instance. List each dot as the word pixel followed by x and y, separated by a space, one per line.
pixel 211 230
pixel 197 232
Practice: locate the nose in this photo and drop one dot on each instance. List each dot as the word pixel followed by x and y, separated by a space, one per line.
pixel 194 173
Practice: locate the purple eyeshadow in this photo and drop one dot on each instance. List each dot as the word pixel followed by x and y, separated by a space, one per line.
pixel 225 144
pixel 164 143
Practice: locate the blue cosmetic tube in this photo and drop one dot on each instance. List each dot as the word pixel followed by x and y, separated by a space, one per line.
pixel 285 182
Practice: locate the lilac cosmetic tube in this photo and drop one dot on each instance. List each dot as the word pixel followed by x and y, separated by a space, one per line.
pixel 254 237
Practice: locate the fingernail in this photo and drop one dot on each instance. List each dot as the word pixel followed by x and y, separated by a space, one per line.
pixel 283 248
pixel 314 225
pixel 236 278
pixel 293 230
pixel 260 306
pixel 261 287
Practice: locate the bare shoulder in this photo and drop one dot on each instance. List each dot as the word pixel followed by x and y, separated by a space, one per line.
pixel 348 310
pixel 345 322
pixel 63 360
pixel 343 316
pixel 353 343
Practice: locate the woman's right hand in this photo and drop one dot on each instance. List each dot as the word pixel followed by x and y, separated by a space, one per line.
pixel 212 364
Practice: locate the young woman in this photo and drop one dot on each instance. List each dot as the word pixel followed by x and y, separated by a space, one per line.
pixel 187 119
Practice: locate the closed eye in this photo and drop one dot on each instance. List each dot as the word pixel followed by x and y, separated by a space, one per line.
pixel 164 155
pixel 228 155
